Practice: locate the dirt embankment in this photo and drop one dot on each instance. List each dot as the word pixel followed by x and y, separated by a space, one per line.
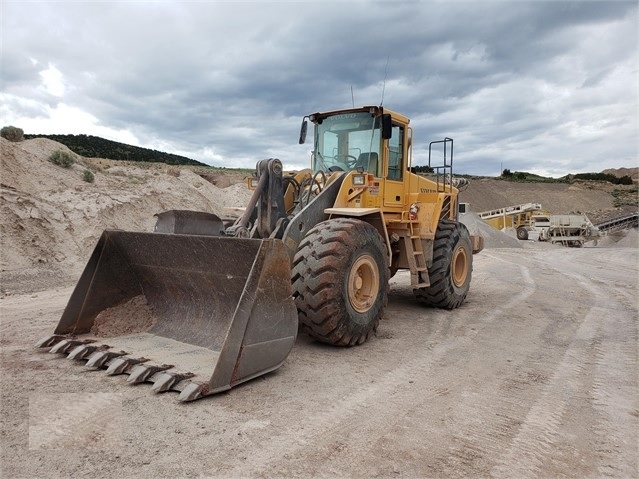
pixel 51 218
pixel 593 198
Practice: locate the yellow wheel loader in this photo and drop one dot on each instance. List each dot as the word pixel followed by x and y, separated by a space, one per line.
pixel 200 305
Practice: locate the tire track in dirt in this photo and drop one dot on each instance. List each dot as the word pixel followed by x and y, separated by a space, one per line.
pixel 476 443
pixel 616 433
pixel 616 359
pixel 534 441
pixel 526 428
pixel 616 364
pixel 615 385
pixel 363 407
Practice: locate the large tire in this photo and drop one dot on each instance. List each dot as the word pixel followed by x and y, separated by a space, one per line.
pixel 522 233
pixel 452 267
pixel 340 281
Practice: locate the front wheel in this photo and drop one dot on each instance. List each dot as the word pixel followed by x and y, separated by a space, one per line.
pixel 452 267
pixel 340 281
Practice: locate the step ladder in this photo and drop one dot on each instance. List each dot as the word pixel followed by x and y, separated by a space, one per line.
pixel 416 260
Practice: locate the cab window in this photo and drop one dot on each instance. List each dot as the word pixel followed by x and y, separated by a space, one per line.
pixel 396 153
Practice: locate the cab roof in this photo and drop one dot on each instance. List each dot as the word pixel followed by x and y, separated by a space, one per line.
pixel 377 110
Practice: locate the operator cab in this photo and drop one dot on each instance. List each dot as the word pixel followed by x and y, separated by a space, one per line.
pixel 350 140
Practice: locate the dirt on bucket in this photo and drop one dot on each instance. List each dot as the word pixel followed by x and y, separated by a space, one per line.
pixel 133 316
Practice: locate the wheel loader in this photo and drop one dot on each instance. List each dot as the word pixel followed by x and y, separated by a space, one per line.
pixel 200 304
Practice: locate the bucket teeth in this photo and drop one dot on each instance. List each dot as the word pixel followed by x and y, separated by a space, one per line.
pixel 83 351
pixel 121 365
pixel 100 358
pixel 49 341
pixel 166 381
pixel 143 372
pixel 66 345
pixel 192 391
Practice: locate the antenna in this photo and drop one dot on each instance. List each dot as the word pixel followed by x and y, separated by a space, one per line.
pixel 352 97
pixel 384 85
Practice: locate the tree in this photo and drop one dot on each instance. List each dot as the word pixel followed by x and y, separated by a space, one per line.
pixel 625 180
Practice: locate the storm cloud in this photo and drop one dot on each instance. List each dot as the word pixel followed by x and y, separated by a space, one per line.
pixel 544 87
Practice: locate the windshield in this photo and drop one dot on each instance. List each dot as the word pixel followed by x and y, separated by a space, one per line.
pixel 346 142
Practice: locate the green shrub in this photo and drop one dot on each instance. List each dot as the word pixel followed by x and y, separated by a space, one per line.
pixel 88 176
pixel 624 180
pixel 12 133
pixel 623 197
pixel 61 158
pixel 423 169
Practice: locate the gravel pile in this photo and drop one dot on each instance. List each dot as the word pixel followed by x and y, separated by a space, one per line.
pixel 492 238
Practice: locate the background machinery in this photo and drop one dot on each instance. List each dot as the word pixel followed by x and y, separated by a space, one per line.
pixel 518 217
pixel 568 230
pixel 200 305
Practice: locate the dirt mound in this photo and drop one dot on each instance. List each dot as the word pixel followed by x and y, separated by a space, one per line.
pixel 620 239
pixel 134 316
pixel 593 198
pixel 492 238
pixel 52 218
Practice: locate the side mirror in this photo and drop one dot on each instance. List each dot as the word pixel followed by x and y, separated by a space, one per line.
pixel 387 127
pixel 303 131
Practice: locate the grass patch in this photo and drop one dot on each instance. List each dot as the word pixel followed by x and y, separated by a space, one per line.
pixel 61 158
pixel 626 196
pixel 88 176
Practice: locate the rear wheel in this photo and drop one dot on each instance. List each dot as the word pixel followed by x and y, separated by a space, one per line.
pixel 522 233
pixel 452 267
pixel 340 281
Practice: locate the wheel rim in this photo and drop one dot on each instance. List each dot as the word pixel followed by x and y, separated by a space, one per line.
pixel 363 283
pixel 460 267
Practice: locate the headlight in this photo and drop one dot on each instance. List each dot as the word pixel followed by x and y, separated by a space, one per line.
pixel 252 183
pixel 359 180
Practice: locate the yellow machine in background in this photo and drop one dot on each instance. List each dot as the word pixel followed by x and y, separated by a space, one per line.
pixel 316 246
pixel 517 217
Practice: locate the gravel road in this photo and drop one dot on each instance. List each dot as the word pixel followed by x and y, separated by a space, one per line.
pixel 535 376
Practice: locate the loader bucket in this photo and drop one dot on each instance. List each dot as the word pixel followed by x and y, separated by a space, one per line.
pixel 191 313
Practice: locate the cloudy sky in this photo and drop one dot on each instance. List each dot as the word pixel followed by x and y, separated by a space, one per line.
pixel 549 87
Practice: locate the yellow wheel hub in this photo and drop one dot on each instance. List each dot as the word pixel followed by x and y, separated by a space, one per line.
pixel 459 266
pixel 363 283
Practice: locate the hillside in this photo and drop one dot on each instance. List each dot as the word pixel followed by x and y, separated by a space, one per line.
pixel 619 172
pixel 95 147
pixel 595 199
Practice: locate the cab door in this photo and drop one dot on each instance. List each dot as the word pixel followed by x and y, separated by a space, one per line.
pixel 395 167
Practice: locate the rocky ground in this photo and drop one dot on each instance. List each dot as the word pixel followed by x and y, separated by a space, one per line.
pixel 534 376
